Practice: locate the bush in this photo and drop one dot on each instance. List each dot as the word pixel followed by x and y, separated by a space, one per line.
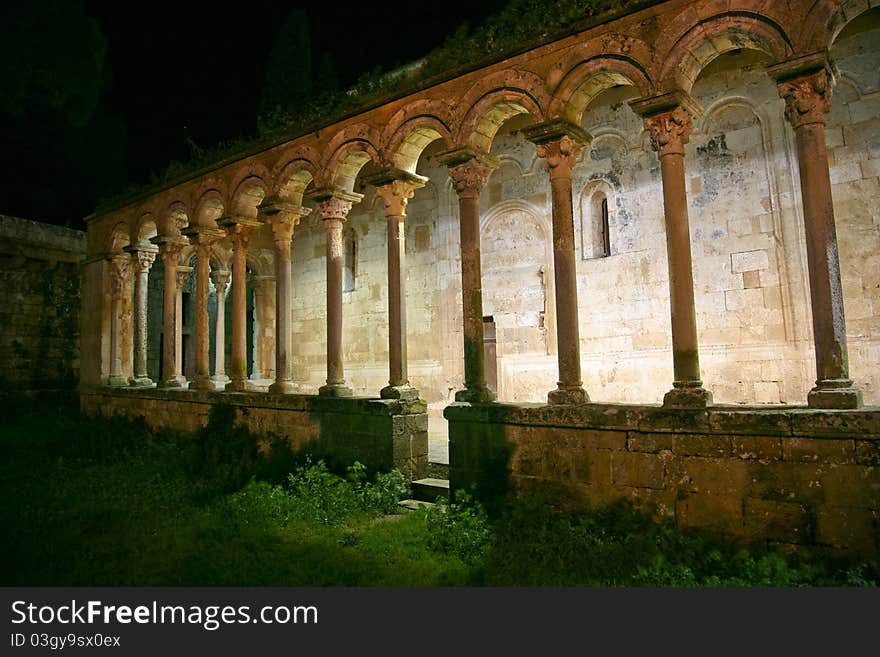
pixel 460 528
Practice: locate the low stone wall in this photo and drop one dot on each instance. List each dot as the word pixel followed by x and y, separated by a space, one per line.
pixel 792 476
pixel 39 285
pixel 380 433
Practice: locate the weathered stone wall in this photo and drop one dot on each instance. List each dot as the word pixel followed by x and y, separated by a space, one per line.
pixel 790 478
pixel 381 434
pixel 39 285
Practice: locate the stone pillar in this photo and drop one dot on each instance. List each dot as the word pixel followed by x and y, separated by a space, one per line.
pixel 169 251
pixel 220 279
pixel 142 258
pixel 264 327
pixel 334 205
pixel 239 230
pixel 560 143
pixel 182 276
pixel 469 171
pixel 202 239
pixel 396 187
pixel 119 268
pixel 283 217
pixel 805 85
pixel 669 120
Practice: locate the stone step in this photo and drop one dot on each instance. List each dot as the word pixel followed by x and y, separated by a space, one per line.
pixel 415 505
pixel 438 470
pixel 429 489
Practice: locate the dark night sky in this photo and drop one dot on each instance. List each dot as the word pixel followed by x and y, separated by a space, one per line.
pixel 183 69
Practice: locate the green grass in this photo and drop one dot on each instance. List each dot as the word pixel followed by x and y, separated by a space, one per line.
pixel 98 502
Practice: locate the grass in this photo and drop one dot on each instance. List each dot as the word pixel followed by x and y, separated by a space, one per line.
pixel 107 502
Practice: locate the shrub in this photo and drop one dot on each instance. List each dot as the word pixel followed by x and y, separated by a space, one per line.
pixel 460 528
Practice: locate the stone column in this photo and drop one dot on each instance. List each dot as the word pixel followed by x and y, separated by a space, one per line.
pixel 220 279
pixel 469 171
pixel 283 217
pixel 669 120
pixel 264 329
pixel 334 206
pixel 396 187
pixel 182 276
pixel 142 258
pixel 202 239
pixel 239 230
pixel 119 268
pixel 169 251
pixel 805 85
pixel 560 143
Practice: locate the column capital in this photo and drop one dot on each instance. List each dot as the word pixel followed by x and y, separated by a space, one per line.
pixel 669 118
pixel 334 203
pixel 395 187
pixel 559 143
pixel 220 279
pixel 119 268
pixel 202 236
pixel 468 168
pixel 182 274
pixel 238 226
pixel 805 84
pixel 283 216
pixel 142 256
pixel 169 248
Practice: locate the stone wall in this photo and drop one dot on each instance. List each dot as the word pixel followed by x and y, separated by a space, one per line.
pixel 381 434
pixel 790 477
pixel 39 285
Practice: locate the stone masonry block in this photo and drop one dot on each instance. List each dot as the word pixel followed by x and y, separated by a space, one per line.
pixel 852 485
pixel 701 445
pixel 648 442
pixel 819 450
pixel 638 470
pixel 748 261
pixel 777 521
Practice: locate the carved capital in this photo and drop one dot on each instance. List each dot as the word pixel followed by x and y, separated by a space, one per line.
pixel 334 208
pixel 807 98
pixel 238 228
pixel 182 275
pixel 396 195
pixel 169 250
pixel 119 268
pixel 670 130
pixel 220 279
pixel 470 176
pixel 560 156
pixel 142 260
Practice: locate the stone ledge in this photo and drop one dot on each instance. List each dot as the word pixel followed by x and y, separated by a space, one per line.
pixel 303 403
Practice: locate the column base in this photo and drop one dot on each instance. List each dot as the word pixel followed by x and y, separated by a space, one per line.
pixel 238 385
pixel 220 378
pixel 140 382
pixel 173 382
pixel 202 382
pixel 335 390
pixel 117 380
pixel 568 396
pixel 834 393
pixel 687 394
pixel 475 395
pixel 403 393
pixel 283 388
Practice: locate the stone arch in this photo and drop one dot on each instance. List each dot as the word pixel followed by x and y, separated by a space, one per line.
pixel 706 40
pixel 410 131
pixel 293 173
pixel 493 100
pixel 825 20
pixel 209 208
pixel 249 187
pixel 350 149
pixel 144 229
pixel 588 78
pixel 120 237
pixel 175 217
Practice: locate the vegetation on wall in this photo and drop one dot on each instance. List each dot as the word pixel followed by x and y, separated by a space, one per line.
pixel 521 25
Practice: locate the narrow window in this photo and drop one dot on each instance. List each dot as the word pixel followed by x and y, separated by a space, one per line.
pixel 606 241
pixel 349 261
pixel 597 238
